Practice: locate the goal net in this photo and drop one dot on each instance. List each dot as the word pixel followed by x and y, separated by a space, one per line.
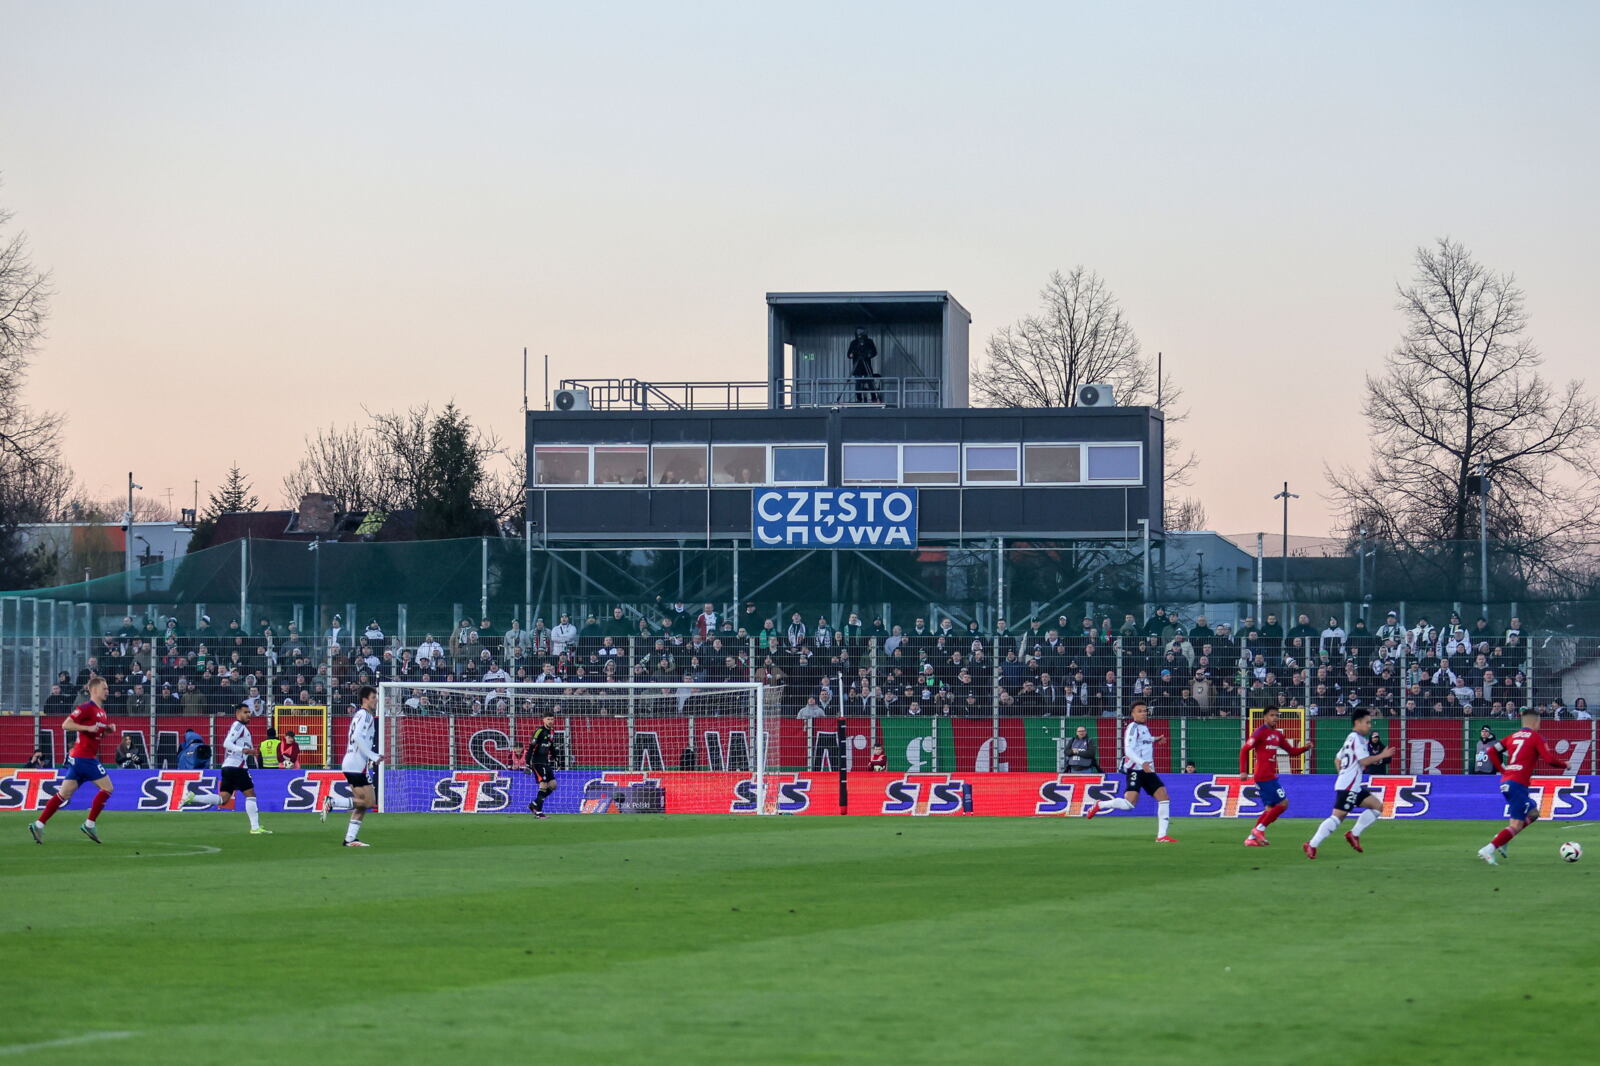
pixel 617 748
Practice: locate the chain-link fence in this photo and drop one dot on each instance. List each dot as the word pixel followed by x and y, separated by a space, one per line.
pixel 989 700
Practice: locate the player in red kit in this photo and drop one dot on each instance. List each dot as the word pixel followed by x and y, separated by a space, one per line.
pixel 89 721
pixel 1516 757
pixel 1267 741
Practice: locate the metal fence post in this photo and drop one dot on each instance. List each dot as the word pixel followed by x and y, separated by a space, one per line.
pixel 1117 646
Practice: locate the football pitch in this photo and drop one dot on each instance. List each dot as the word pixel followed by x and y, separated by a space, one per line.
pixel 696 939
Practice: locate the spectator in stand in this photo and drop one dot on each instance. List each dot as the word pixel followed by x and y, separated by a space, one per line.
pixel 1270 633
pixel 1199 633
pixel 36 761
pixel 1104 700
pixel 795 635
pixel 338 636
pixel 374 637
pixel 811 709
pixel 1332 640
pixel 1580 710
pixel 563 637
pixel 59 702
pixel 878 761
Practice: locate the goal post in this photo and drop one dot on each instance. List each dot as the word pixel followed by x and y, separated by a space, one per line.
pixel 642 747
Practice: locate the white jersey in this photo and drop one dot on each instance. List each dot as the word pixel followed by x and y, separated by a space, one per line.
pixel 238 745
pixel 361 748
pixel 1348 762
pixel 1138 746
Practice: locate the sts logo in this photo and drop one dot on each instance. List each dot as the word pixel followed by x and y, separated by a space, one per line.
pixel 1402 795
pixel 163 791
pixel 781 794
pixel 311 789
pixel 1225 796
pixel 1067 795
pixel 923 794
pixel 27 790
pixel 1561 797
pixel 471 791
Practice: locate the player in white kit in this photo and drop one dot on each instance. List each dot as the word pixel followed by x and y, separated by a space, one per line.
pixel 236 749
pixel 1139 767
pixel 360 755
pixel 1348 792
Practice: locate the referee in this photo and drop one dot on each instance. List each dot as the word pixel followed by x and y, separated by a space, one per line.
pixel 540 760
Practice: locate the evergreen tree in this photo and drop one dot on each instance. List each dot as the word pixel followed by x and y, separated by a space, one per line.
pixel 451 481
pixel 231 497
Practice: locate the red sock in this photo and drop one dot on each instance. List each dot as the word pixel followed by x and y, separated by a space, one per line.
pixel 1272 814
pixel 99 804
pixel 1502 838
pixel 50 808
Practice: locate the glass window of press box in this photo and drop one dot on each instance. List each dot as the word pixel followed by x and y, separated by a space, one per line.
pixel 875 463
pixel 677 465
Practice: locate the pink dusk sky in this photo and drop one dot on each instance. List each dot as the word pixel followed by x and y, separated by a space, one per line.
pixel 264 217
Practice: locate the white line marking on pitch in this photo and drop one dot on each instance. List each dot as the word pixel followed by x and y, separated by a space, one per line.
pixel 66 1041
pixel 190 849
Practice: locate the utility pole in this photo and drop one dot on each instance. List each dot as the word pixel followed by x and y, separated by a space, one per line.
pixel 127 525
pixel 1286 496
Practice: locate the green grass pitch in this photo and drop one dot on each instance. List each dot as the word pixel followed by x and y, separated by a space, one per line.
pixel 650 939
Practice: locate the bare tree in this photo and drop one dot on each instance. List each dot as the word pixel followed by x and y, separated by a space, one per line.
pixel 505 487
pixel 344 463
pixel 1081 336
pixel 1459 393
pixel 383 465
pixel 34 482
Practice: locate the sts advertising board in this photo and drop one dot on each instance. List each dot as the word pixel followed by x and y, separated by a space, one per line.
pixel 833 518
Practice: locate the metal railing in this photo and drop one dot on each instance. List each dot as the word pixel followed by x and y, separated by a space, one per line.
pixel 631 394
pixel 892 392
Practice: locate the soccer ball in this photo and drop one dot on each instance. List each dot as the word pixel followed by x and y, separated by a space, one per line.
pixel 1571 851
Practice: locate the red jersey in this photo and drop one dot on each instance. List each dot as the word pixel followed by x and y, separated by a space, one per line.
pixel 87 746
pixel 879 761
pixel 1266 742
pixel 1518 756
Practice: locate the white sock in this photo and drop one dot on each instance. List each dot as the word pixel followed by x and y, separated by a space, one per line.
pixel 205 799
pixel 340 803
pixel 89 822
pixel 353 831
pixel 1368 816
pixel 1118 804
pixel 1163 816
pixel 1324 831
pixel 253 811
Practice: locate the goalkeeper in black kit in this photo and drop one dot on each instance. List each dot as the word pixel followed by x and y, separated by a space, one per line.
pixel 540 760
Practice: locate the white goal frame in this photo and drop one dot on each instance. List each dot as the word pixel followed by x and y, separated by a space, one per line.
pixel 389 690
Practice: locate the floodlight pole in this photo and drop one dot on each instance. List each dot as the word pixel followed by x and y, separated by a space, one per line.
pixel 1286 496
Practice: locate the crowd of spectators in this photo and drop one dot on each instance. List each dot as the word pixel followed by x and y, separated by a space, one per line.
pixel 812 667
